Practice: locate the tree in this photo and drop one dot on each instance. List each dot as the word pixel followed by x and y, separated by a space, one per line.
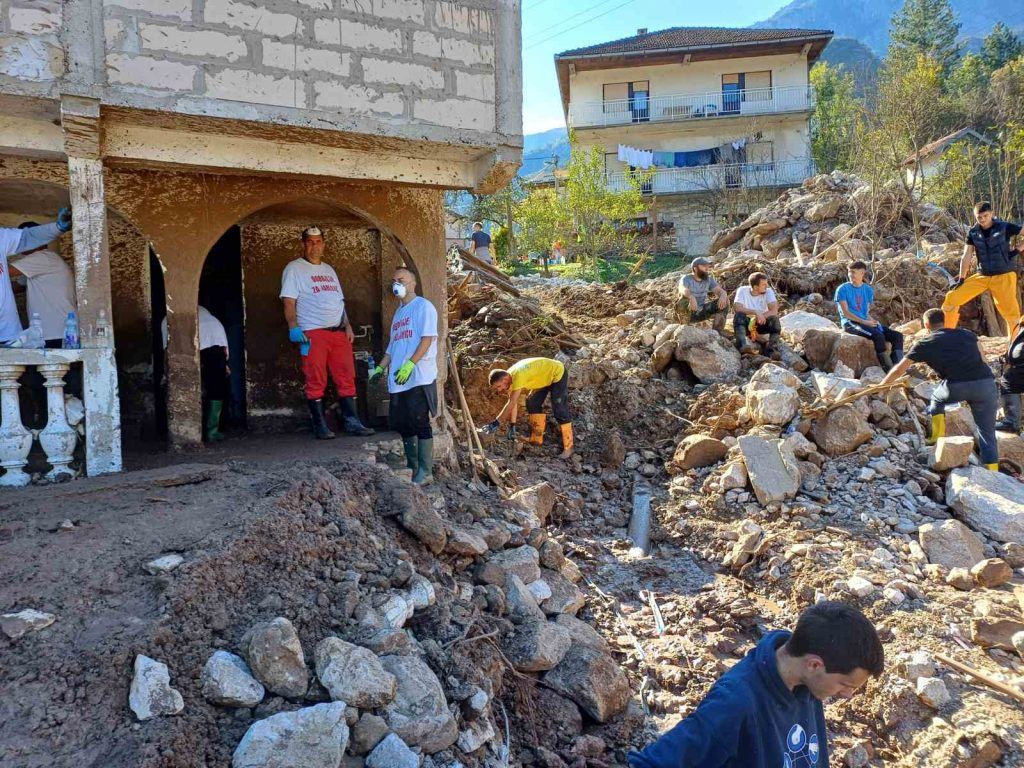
pixel 925 28
pixel 835 116
pixel 1007 92
pixel 967 87
pixel 1000 47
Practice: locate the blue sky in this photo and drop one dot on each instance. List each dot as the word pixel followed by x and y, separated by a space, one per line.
pixel 553 26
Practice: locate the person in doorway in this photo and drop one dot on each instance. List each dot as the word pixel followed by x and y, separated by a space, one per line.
pixel 1011 382
pixel 314 308
pixel 767 711
pixel 541 376
pixel 701 297
pixel 214 371
pixel 757 314
pixel 481 243
pixel 854 299
pixel 14 241
pixel 412 382
pixel 956 355
pixel 50 286
pixel 988 245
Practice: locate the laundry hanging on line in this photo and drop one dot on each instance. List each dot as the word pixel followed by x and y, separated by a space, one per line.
pixel 637 158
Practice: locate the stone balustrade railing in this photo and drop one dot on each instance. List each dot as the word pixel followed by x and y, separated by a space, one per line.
pixel 58 437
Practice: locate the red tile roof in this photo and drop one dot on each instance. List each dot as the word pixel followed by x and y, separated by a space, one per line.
pixel 693 37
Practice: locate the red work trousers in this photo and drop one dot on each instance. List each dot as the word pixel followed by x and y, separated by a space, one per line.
pixel 329 351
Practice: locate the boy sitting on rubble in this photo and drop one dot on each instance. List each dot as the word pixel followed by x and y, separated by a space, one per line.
pixel 766 712
pixel 854 299
pixel 701 297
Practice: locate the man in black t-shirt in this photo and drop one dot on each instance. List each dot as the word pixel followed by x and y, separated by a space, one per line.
pixel 481 246
pixel 954 354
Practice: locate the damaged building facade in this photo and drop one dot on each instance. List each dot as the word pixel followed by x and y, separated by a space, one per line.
pixel 195 139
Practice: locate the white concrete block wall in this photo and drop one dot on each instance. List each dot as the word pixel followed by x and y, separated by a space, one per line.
pixel 415 61
pixel 30 49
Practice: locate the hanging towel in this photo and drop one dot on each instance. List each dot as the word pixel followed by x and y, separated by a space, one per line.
pixel 622 153
pixel 695 158
pixel 664 159
pixel 645 159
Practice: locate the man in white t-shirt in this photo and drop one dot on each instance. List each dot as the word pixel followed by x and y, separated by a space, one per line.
pixel 314 308
pixel 757 314
pixel 50 284
pixel 14 241
pixel 412 380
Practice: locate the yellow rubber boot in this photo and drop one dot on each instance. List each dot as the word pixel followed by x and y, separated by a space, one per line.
pixel 537 422
pixel 567 441
pixel 993 467
pixel 938 428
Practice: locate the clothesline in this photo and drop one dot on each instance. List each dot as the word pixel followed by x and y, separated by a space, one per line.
pixel 730 152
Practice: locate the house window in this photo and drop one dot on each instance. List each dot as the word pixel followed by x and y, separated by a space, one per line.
pixel 616 97
pixel 628 98
pixel 745 86
pixel 758 86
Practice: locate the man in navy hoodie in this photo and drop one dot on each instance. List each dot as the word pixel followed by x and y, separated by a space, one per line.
pixel 766 712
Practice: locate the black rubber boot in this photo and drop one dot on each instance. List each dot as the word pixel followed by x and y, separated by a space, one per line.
pixel 353 426
pixel 1011 414
pixel 885 361
pixel 741 339
pixel 316 415
pixel 412 458
pixel 772 347
pixel 425 471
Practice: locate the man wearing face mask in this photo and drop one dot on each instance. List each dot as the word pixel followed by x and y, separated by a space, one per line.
pixel 413 384
pixel 314 308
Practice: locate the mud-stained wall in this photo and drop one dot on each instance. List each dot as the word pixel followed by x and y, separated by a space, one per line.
pixel 274 380
pixel 30 47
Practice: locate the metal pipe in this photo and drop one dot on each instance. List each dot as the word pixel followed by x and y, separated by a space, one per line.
pixel 640 520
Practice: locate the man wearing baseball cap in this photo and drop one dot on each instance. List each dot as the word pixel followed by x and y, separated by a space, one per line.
pixel 701 297
pixel 314 308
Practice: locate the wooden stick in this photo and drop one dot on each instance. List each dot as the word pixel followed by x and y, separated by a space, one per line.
pixel 495 276
pixel 991 682
pixel 492 473
pixel 819 407
pixel 849 233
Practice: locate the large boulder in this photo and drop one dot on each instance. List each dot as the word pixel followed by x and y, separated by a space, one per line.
pixel 710 357
pixel 523 562
pixel 841 431
pixel 960 421
pixel 538 499
pixel 826 208
pixel 275 657
pixel 796 324
pixel 353 674
pixel 988 501
pixel 825 348
pixel 565 596
pixel 725 238
pixel 771 467
pixel 593 680
pixel 771 395
pixel 1011 446
pixel 420 519
pixel 695 451
pixel 228 682
pixel 419 712
pixel 520 602
pixel 951 544
pixel 151 694
pixel 537 646
pixel 952 452
pixel 312 737
pixel 853 249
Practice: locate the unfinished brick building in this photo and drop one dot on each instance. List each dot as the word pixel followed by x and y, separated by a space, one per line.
pixel 195 138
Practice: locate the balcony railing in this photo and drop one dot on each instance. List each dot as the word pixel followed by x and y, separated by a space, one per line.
pixel 710 178
pixel 691 106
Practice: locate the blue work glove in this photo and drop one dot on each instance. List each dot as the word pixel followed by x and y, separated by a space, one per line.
pixel 297 336
pixel 64 219
pixel 489 429
pixel 405 372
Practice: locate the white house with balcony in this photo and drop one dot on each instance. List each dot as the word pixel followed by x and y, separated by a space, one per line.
pixel 716 119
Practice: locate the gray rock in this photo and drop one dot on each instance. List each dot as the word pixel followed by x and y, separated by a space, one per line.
pixel 566 597
pixel 951 544
pixel 582 633
pixel 163 564
pixel 771 468
pixel 313 737
pixel 228 682
pixel 275 657
pixel 419 712
pixel 520 601
pixel 990 502
pixel 593 680
pixel 933 692
pixel 522 561
pixel 476 735
pixel 465 541
pixel 537 499
pixel 551 555
pixel 392 752
pixel 421 592
pixel 537 646
pixel 353 674
pixel 18 624
pixel 424 523
pixel 151 694
pixel 841 431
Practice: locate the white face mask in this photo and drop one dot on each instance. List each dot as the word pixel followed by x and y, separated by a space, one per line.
pixel 398 289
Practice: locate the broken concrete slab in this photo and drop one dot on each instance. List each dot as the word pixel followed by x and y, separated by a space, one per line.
pixel 988 501
pixel 773 471
pixel 952 452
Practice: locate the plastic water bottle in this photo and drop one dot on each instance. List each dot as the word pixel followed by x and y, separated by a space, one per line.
pixel 102 329
pixel 35 339
pixel 370 362
pixel 71 332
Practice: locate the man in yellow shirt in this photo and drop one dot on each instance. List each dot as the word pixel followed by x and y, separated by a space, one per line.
pixel 541 376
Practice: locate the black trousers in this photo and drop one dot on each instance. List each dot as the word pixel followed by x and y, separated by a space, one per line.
pixel 770 326
pixel 409 412
pixel 213 370
pixel 879 336
pixel 559 392
pixel 983 398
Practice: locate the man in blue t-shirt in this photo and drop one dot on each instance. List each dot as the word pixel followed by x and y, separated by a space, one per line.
pixel 854 299
pixel 481 245
pixel 766 712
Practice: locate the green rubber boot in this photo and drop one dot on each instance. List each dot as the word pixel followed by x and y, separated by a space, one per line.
pixel 212 431
pixel 425 473
pixel 412 460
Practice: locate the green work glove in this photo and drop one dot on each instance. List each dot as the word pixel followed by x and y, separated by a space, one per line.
pixel 404 372
pixel 376 372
